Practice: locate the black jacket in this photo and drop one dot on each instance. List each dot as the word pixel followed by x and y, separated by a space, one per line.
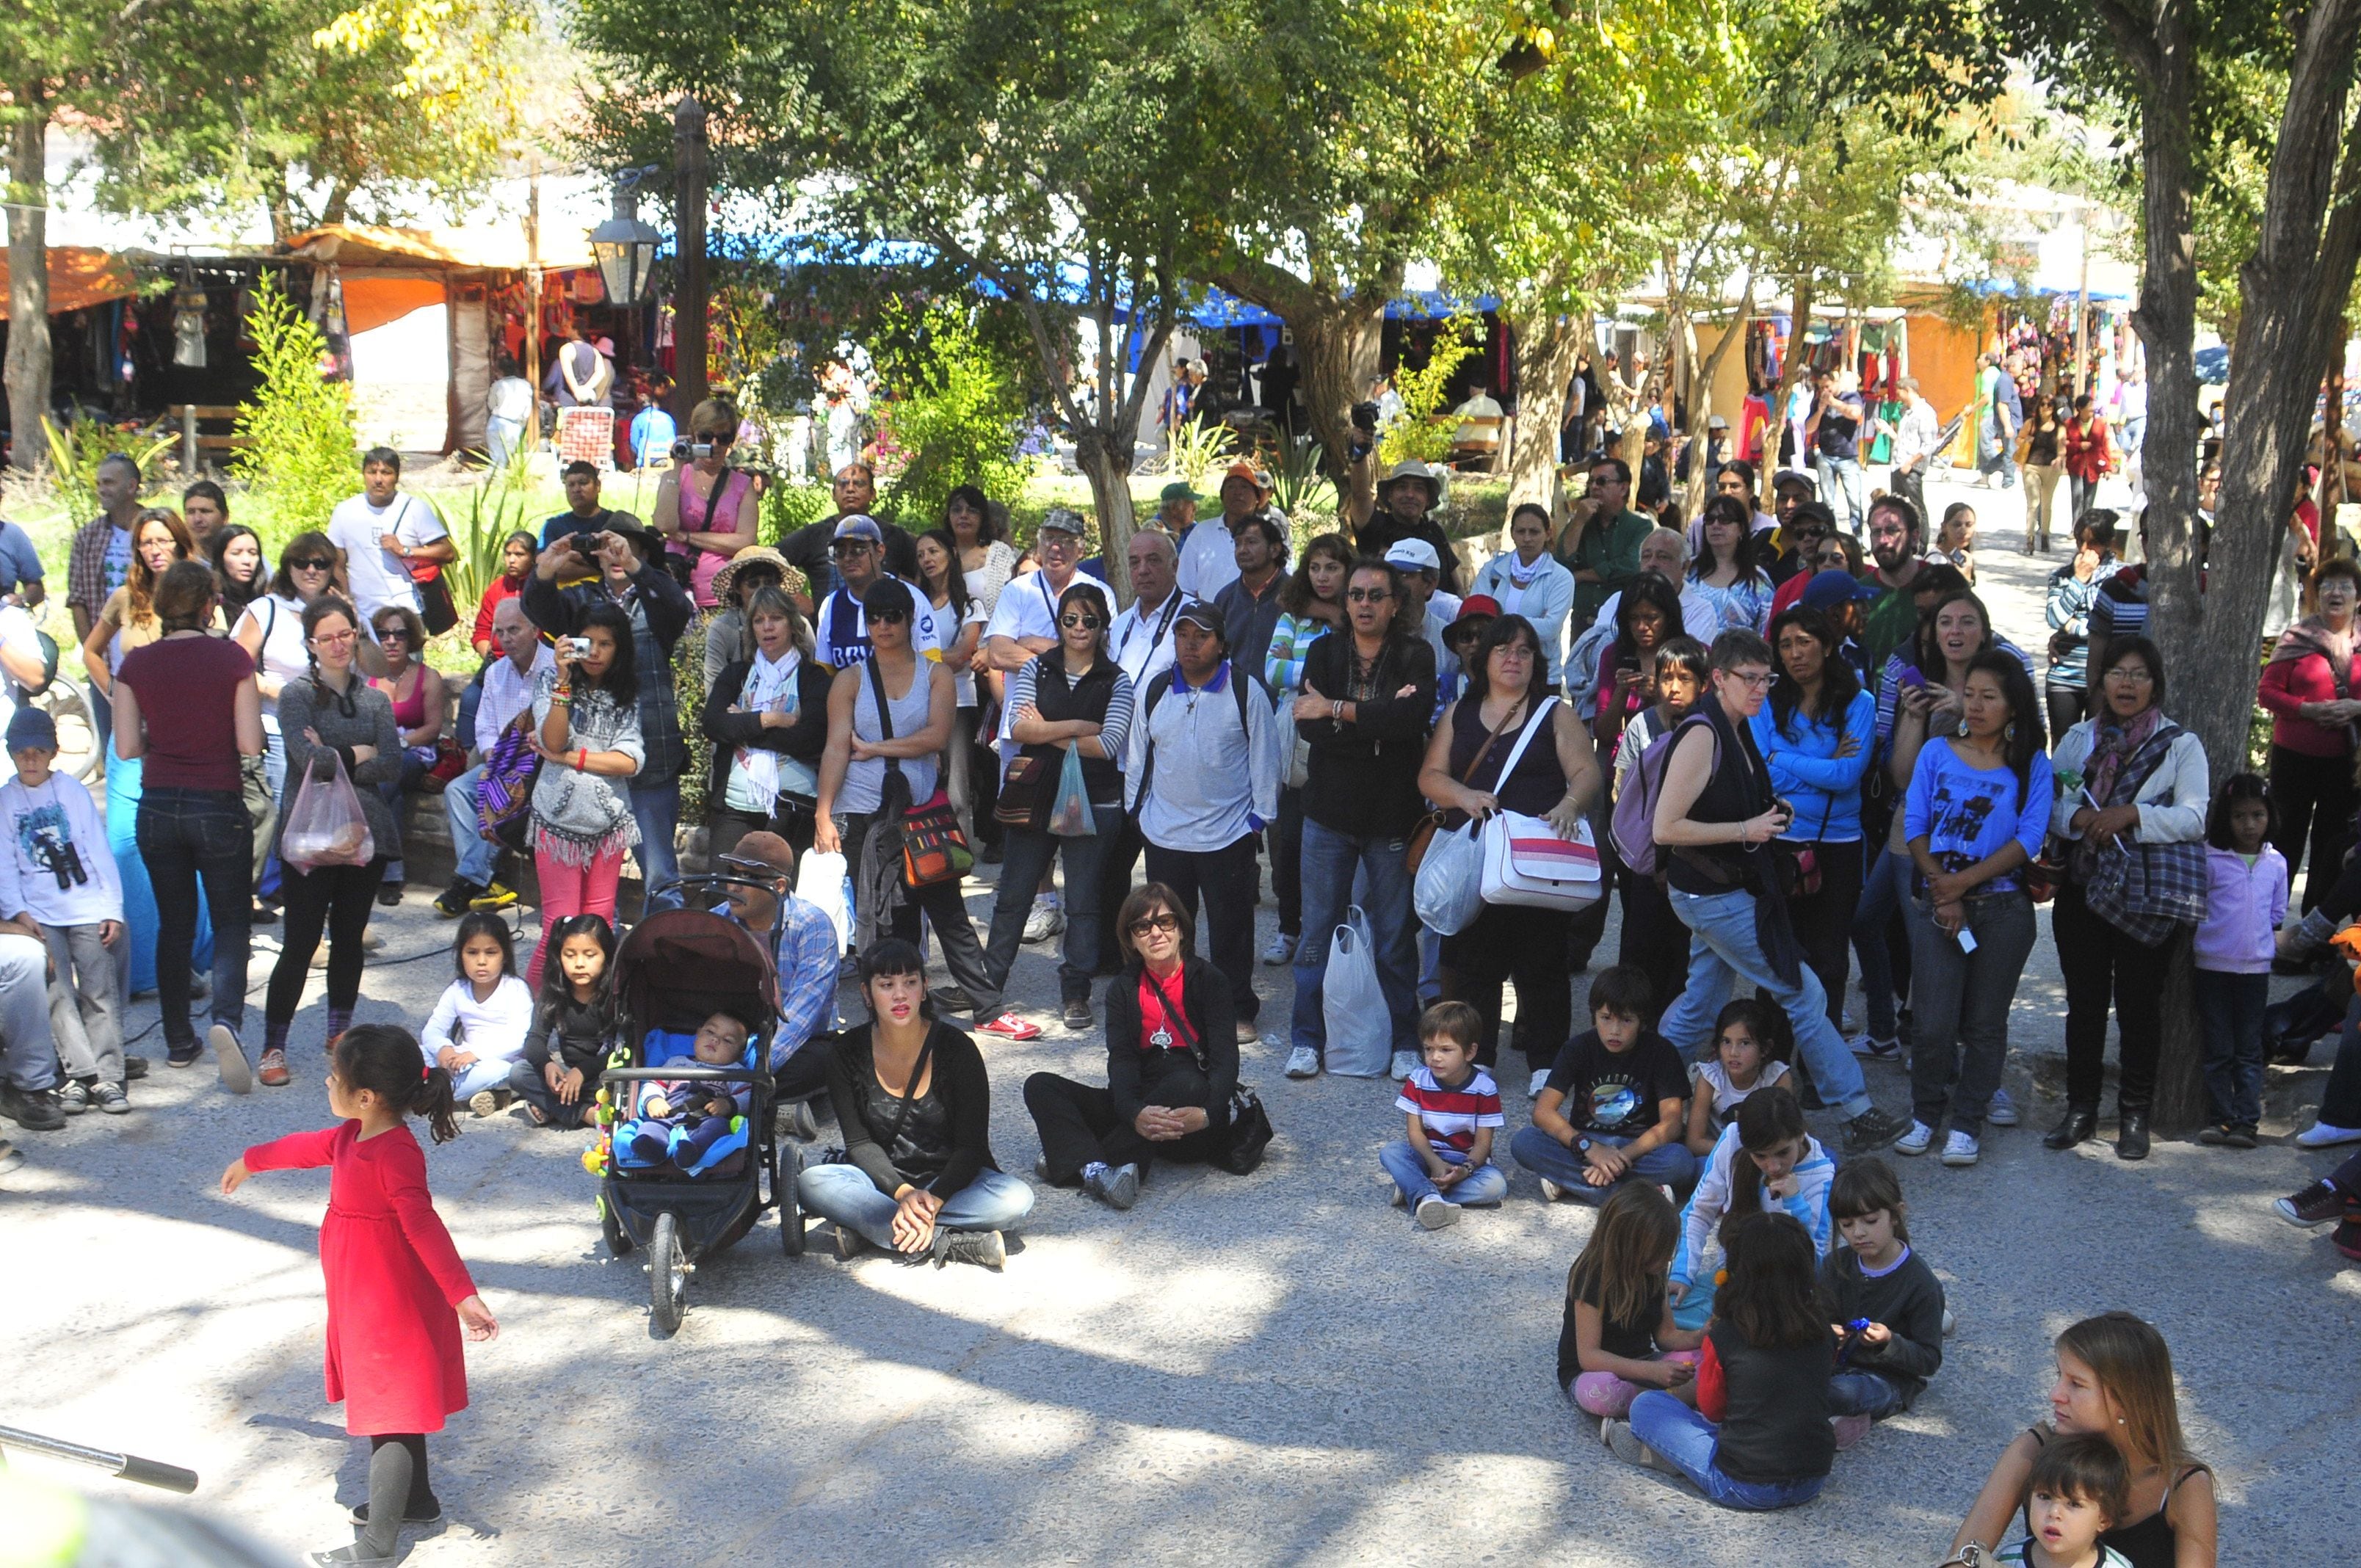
pixel 804 740
pixel 957 1077
pixel 1364 774
pixel 1135 1077
pixel 1384 531
pixel 572 1035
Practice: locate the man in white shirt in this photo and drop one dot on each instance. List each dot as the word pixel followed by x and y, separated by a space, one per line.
pixel 1209 555
pixel 1479 424
pixel 1025 626
pixel 1141 642
pixel 1914 443
pixel 382 530
pixel 507 692
pixel 840 625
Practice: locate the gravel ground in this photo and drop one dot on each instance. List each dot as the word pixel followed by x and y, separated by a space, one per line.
pixel 1281 1368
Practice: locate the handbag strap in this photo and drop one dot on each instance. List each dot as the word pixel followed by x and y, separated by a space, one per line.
pixel 1532 727
pixel 884 711
pixel 1179 1020
pixel 909 1089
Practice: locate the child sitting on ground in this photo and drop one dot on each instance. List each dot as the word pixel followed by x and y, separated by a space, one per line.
pixel 1878 1280
pixel 1766 1159
pixel 1445 1161
pixel 1619 1336
pixel 57 870
pixel 1750 1047
pixel 557 1076
pixel 2077 1491
pixel 694 1125
pixel 1612 1109
pixel 478 1029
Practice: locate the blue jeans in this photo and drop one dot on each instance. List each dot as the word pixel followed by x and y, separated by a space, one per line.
pixel 478 856
pixel 484 1072
pixel 1862 1393
pixel 1723 948
pixel 27 1050
pixel 1487 1184
pixel 2232 1006
pixel 1690 1441
pixel 1841 476
pixel 995 1201
pixel 1330 860
pixel 184 834
pixel 656 808
pixel 1025 857
pixel 1669 1164
pixel 1881 893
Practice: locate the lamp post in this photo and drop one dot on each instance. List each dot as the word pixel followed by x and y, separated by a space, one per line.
pixel 625 251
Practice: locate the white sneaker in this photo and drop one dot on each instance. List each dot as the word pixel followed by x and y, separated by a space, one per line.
pixel 1886 1049
pixel 1303 1062
pixel 2002 1111
pixel 1550 1190
pixel 1950 1323
pixel 1539 1083
pixel 1958 1149
pixel 1405 1063
pixel 2321 1136
pixel 1915 1140
pixel 1282 950
pixel 1046 921
pixel 1434 1213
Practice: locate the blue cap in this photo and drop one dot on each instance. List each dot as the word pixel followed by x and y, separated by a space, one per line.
pixel 857 526
pixel 31 727
pixel 1832 587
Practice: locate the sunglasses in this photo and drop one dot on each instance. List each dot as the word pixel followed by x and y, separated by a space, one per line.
pixel 1369 596
pixel 311 563
pixel 888 616
pixel 1152 923
pixel 851 547
pixel 392 633
pixel 1080 622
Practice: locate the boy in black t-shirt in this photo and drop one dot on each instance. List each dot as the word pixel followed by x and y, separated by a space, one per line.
pixel 1614 1106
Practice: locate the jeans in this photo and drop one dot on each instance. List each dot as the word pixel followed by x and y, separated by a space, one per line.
pixel 525 1081
pixel 1669 1164
pixel 335 898
pixel 1024 858
pixel 274 772
pixel 995 1201
pixel 2084 491
pixel 656 808
pixel 2232 1006
pixel 1225 880
pixel 1960 1043
pixel 412 778
pixel 1841 476
pixel 183 833
pixel 1486 1185
pixel 1883 892
pixel 1723 948
pixel 26 1048
pixel 1079 1125
pixel 1525 946
pixel 1330 860
pixel 479 857
pixel 1689 1442
pixel 1859 1393
pixel 570 886
pixel 2100 964
pixel 2316 799
pixel 501 437
pixel 1823 921
pixel 2340 1101
pixel 86 1003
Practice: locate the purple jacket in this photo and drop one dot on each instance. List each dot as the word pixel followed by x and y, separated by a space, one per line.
pixel 2244 904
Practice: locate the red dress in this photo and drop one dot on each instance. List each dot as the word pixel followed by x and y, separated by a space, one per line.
pixel 394 1279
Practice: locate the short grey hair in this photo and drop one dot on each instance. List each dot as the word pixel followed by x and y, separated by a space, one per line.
pixel 1162 540
pixel 1680 540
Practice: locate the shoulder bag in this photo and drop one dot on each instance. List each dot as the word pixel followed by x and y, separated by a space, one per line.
pixel 1525 859
pixel 1249 1123
pixel 933 848
pixel 1422 834
pixel 434 606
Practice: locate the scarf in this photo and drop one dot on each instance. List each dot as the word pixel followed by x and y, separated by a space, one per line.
pixel 768 685
pixel 2311 635
pixel 1522 575
pixel 2112 747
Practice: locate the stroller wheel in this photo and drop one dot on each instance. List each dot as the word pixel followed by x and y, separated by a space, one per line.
pixel 791 1211
pixel 667 1268
pixel 618 1240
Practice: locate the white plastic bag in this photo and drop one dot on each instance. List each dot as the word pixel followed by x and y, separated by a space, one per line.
pixel 1360 1028
pixel 821 880
pixel 1449 892
pixel 324 827
pixel 1069 815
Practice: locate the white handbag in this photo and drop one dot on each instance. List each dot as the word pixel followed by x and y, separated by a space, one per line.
pixel 1526 863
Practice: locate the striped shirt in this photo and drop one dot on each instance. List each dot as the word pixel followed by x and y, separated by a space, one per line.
pixel 1451 1115
pixel 1710 1202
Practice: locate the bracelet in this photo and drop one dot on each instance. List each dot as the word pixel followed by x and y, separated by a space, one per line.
pixel 582 760
pixel 1336 711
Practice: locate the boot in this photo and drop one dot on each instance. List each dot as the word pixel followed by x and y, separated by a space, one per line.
pixel 2131 1135
pixel 2081 1121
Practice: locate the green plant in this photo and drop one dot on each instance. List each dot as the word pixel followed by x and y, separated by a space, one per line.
pixel 496 508
pixel 1195 446
pixel 76 452
pixel 787 508
pixel 1425 429
pixel 296 434
pixel 957 402
pixel 1295 476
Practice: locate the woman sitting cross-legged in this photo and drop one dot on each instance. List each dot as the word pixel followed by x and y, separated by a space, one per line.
pixel 1171 1063
pixel 917 1177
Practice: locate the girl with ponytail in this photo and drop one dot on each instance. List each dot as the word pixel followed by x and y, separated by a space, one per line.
pixel 398 1293
pixel 1766 1160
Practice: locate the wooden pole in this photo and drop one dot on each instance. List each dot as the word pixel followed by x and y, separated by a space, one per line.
pixel 690 173
pixel 532 298
pixel 2083 313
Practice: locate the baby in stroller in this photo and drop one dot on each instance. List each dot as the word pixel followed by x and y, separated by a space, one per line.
pixel 692 1127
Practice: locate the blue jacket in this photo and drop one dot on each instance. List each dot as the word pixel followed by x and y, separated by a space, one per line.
pixel 1807 772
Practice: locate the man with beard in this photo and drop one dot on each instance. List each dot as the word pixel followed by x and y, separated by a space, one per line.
pixel 1894 543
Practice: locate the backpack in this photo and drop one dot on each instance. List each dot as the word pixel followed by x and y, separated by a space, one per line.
pixel 1633 826
pixel 1240 682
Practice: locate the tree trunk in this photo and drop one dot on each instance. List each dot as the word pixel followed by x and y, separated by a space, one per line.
pixel 1791 370
pixel 1547 346
pixel 1700 399
pixel 1104 457
pixel 27 369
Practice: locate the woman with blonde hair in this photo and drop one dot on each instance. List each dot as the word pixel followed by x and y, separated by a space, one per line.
pixel 706 509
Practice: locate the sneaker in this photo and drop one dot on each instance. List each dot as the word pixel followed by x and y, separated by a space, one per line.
pixel 1282 950
pixel 487 1102
pixel 1404 1064
pixel 492 898
pixel 456 899
pixel 1916 1141
pixel 1078 1016
pixel 34 1110
pixel 134 1067
pixel 236 1075
pixel 984 1248
pixel 2243 1135
pixel 1950 1323
pixel 2002 1110
pixel 2346 1238
pixel 2315 1205
pixel 184 1055
pixel 1849 1429
pixel 1550 1190
pixel 2215 1136
pixel 1245 1032
pixel 2321 1136
pixel 850 1244
pixel 1045 922
pixel 1009 1026
pixel 1118 1189
pixel 1881 1047
pixel 1871 1131
pixel 272 1072
pixel 110 1099
pixel 1539 1081
pixel 1435 1212
pixel 73 1097
pixel 1625 1445
pixel 1303 1062
pixel 1958 1149
pixel 428 1512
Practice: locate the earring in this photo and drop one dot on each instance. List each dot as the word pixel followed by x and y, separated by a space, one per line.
pixel 2009 732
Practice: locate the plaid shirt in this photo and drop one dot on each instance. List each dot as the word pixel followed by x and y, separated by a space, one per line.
pixel 809 958
pixel 87 567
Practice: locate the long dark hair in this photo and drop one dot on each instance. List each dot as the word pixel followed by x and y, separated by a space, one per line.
pixel 1838 684
pixel 1651 590
pixel 235 596
pixel 954 575
pixel 1772 1298
pixel 1092 596
pixel 384 1059
pixel 1295 594
pixel 1765 1119
pixel 1632 1243
pixel 1408 623
pixel 2235 789
pixel 987 529
pixel 1930 658
pixel 1506 630
pixel 1725 508
pixel 622 680
pixel 2024 738
pixel 556 991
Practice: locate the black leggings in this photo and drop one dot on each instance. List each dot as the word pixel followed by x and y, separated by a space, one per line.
pixel 422 1496
pixel 792 820
pixel 1823 922
pixel 2068 705
pixel 336 898
pixel 2315 796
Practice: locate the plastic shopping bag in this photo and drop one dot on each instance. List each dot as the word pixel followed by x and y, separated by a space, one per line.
pixel 1360 1028
pixel 324 827
pixel 1449 892
pixel 821 880
pixel 1070 814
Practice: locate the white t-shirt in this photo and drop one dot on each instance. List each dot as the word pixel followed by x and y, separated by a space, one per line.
pixel 379 576
pixel 1209 559
pixel 284 654
pixel 948 628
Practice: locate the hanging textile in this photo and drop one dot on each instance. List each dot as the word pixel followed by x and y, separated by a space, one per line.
pixel 189 329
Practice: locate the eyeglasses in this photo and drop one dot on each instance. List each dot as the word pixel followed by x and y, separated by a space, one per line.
pixel 1168 921
pixel 332 638
pixel 311 563
pixel 1369 596
pixel 1759 681
pixel 1080 622
pixel 2137 675
pixel 888 616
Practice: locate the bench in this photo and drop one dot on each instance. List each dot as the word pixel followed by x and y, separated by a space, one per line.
pixel 197 442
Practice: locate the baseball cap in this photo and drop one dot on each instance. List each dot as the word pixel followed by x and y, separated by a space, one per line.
pixel 1413 556
pixel 1250 474
pixel 1063 520
pixel 1717 422
pixel 1179 490
pixel 1832 587
pixel 1475 607
pixel 32 726
pixel 1197 612
pixel 1796 477
pixel 857 526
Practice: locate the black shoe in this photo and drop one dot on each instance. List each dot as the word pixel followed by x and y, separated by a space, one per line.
pixel 2214 1135
pixel 2315 1205
pixel 951 999
pixel 2131 1135
pixel 1871 1131
pixel 2244 1136
pixel 2077 1128
pixel 389 895
pixel 431 1512
pixel 183 1056
pixel 1807 1095
pixel 983 1248
pixel 456 898
pixel 988 856
pixel 34 1110
pixel 1078 1015
pixel 263 914
pixel 135 1067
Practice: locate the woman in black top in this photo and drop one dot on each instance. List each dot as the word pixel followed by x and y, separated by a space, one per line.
pixel 1172 1061
pixel 768 718
pixel 1556 777
pixel 910 1094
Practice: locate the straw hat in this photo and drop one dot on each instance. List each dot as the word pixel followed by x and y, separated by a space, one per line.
pixel 757 556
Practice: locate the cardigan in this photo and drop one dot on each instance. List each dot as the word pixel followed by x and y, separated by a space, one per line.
pixel 305 705
pixel 956 1079
pixel 2172 801
pixel 1547 601
pixel 1133 1072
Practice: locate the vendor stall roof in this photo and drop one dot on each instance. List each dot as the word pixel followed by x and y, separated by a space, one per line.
pixel 80 277
pixel 486 247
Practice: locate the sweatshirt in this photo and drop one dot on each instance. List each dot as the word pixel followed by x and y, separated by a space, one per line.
pixel 1907 1299
pixel 572 1034
pixel 2244 903
pixel 54 832
pixel 1710 1202
pixel 491 1029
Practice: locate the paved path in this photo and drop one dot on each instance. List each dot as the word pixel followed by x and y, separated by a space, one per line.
pixel 1278 1369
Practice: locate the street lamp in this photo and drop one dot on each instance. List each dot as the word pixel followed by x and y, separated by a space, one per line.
pixel 624 247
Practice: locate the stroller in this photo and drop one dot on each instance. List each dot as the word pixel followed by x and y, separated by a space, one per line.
pixel 674 969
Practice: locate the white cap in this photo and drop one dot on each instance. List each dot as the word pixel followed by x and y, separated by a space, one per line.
pixel 1415 556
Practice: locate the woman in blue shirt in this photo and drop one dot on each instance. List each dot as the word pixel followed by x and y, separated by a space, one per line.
pixel 1818 732
pixel 1976 813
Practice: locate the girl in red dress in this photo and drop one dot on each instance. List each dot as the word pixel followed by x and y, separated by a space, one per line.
pixel 394 1279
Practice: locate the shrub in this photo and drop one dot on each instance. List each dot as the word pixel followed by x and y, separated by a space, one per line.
pixel 297 432
pixel 1425 429
pixel 958 398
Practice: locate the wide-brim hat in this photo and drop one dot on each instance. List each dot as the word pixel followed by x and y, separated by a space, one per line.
pixel 726 579
pixel 1411 469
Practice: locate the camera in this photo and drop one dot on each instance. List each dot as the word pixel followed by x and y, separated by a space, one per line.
pixel 587 545
pixel 687 451
pixel 578 646
pixel 1365 416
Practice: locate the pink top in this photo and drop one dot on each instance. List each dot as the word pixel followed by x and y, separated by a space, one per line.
pixel 720 516
pixel 408 712
pixel 2287 685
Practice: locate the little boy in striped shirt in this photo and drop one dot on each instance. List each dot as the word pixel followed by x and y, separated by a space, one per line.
pixel 1453 1105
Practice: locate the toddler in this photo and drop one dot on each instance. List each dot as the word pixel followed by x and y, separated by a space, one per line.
pixel 1877 1280
pixel 693 1126
pixel 2077 1491
pixel 1619 1336
pixel 1750 1047
pixel 478 1027
pixel 1445 1160
pixel 2246 897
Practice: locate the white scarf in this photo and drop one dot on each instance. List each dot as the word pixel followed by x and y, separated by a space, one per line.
pixel 766 683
